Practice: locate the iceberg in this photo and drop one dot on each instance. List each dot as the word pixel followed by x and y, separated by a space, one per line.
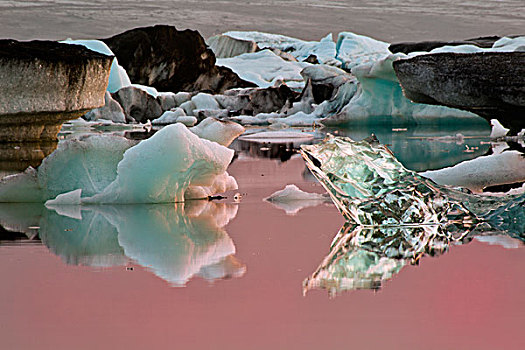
pixel 221 131
pixel 113 169
pixel 504 166
pixel 118 78
pixel 324 50
pixel 353 50
pixel 370 187
pixel 265 69
pixel 379 99
pixel 395 216
pixel 375 97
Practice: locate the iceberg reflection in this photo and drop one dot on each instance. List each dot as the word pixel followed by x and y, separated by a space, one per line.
pixel 175 241
pixel 395 216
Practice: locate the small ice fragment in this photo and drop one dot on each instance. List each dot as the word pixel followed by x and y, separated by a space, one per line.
pixel 69 198
pixel 498 130
pixel 67 204
pixel 292 199
pixel 504 241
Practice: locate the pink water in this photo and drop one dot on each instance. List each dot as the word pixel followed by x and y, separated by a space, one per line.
pixel 469 298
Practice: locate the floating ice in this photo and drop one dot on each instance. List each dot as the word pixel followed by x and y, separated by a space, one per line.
pixel 498 130
pixel 265 69
pixel 109 170
pixel 372 188
pixel 149 89
pixel 220 131
pixel 292 199
pixel 169 117
pixel 118 78
pixel 324 50
pixel 278 137
pixel 161 168
pixel 354 50
pixel 379 99
pixel 496 169
pixel 394 216
pixel 204 101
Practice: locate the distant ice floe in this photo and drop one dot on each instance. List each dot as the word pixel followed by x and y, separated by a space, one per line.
pixel 173 165
pixel 374 97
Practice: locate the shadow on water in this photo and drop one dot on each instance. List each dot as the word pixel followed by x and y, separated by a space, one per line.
pixel 176 242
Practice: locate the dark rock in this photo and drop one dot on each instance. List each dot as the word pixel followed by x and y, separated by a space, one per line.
pixel 257 100
pixel 171 60
pixel 490 84
pixel 269 100
pixel 44 83
pixel 408 47
pixel 311 59
pixel 138 105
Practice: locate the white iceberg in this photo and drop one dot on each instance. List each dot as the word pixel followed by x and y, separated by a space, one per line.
pixel 265 69
pixel 169 117
pixel 353 50
pixel 324 50
pixel 110 169
pixel 221 131
pixel 496 169
pixel 204 101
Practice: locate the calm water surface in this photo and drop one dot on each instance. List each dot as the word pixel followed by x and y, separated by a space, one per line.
pixel 229 274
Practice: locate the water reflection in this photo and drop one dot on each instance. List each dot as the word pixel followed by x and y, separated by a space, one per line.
pixel 418 148
pixel 16 157
pixel 365 257
pixel 175 242
pixel 395 216
pixel 426 147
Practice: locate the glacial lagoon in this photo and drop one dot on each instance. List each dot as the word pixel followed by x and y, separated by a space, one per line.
pixel 242 272
pixel 251 272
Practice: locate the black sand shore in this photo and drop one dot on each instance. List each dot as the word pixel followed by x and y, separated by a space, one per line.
pixel 389 20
